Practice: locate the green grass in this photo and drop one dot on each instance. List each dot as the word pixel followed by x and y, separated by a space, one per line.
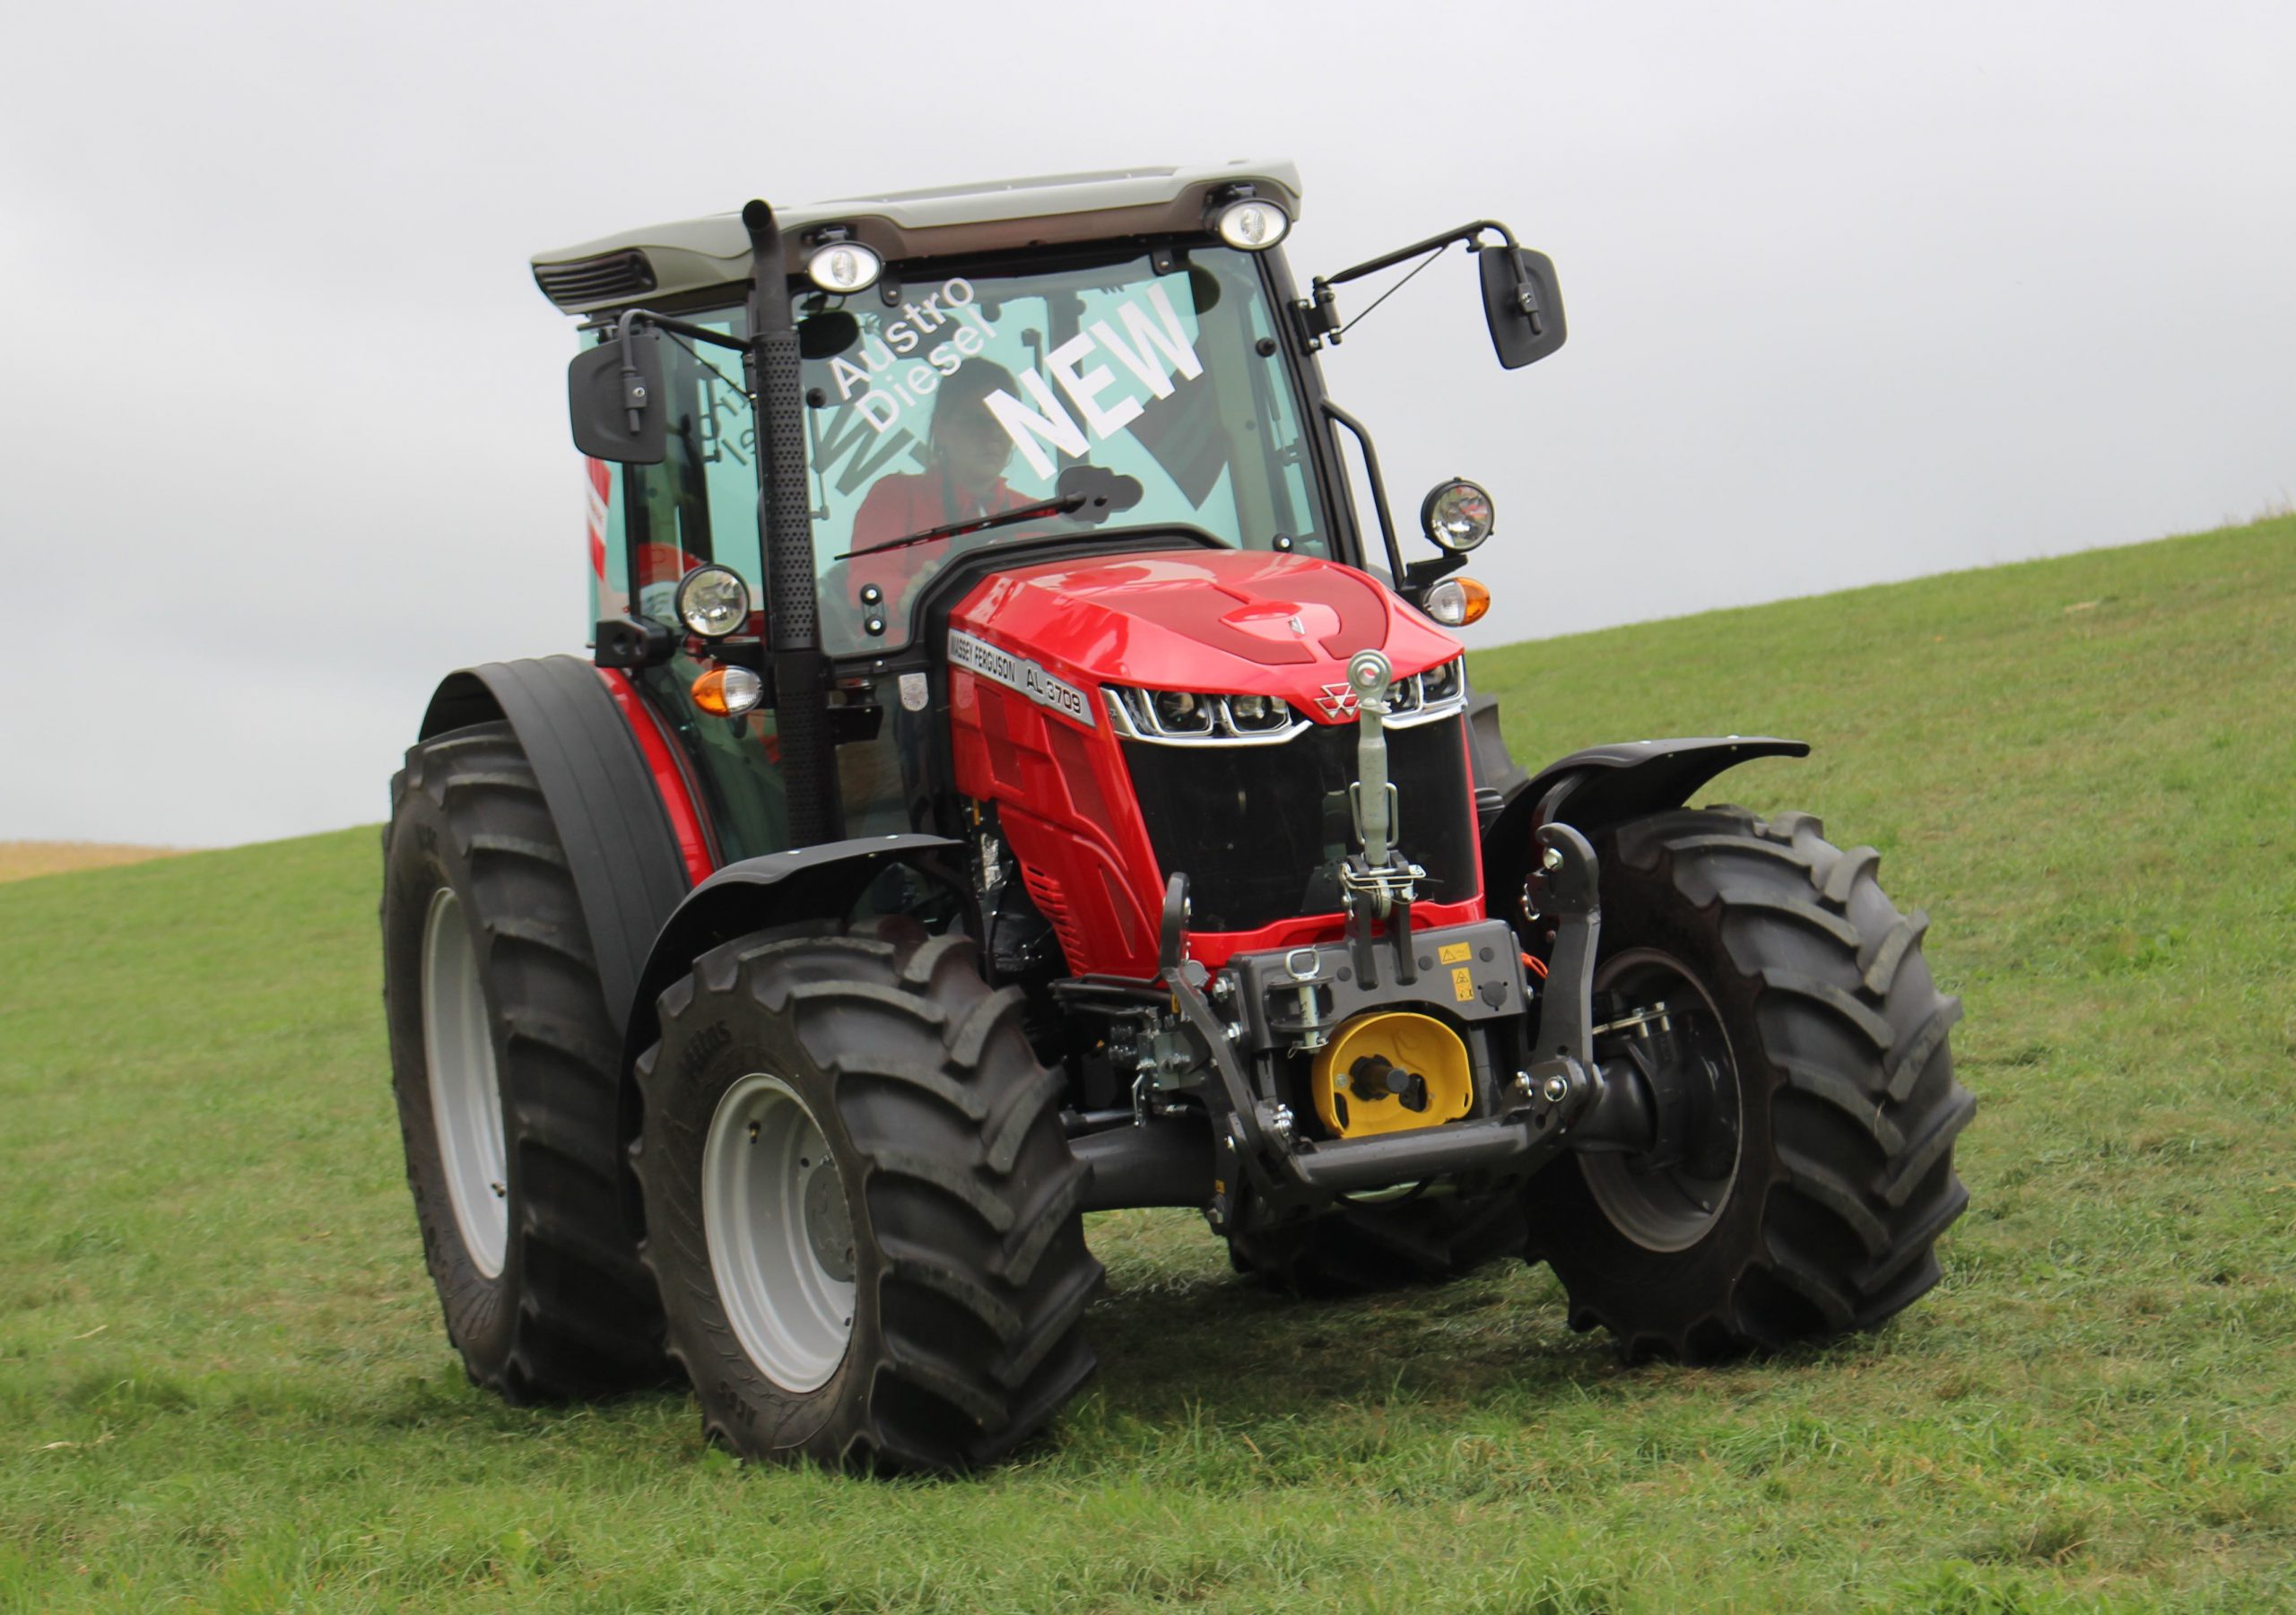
pixel 223 1383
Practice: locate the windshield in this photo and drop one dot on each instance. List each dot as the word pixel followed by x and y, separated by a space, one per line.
pixel 970 394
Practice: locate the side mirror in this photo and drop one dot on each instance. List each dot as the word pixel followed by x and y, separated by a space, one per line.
pixel 1522 303
pixel 617 405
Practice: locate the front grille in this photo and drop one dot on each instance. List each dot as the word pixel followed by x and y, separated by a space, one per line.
pixel 1256 828
pixel 611 277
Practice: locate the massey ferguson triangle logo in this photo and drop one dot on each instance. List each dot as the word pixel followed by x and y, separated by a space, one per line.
pixel 1338 700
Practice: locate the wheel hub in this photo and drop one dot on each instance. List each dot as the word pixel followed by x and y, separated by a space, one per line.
pixel 1693 1103
pixel 779 1229
pixel 829 1227
pixel 1669 1196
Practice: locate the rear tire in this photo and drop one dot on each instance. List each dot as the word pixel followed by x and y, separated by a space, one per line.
pixel 504 1063
pixel 1825 1218
pixel 911 1304
pixel 1365 1246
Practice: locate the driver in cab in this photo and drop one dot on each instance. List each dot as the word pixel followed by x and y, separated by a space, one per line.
pixel 966 451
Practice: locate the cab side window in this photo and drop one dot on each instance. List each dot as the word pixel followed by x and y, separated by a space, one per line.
pixel 700 502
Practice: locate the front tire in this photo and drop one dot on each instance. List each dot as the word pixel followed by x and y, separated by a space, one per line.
pixel 1811 1203
pixel 861 1205
pixel 504 1062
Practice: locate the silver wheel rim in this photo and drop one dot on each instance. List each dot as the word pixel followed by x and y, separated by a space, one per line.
pixel 779 1232
pixel 465 1097
pixel 1663 1209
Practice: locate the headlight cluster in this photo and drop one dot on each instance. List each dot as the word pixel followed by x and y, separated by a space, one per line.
pixel 1439 693
pixel 1181 716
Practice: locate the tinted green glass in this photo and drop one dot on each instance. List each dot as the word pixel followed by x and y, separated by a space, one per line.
pixel 972 394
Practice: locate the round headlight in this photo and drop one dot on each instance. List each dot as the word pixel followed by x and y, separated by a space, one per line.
pixel 1456 516
pixel 844 266
pixel 1253 224
pixel 714 602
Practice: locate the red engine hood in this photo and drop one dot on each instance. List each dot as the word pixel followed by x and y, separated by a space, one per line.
pixel 1235 621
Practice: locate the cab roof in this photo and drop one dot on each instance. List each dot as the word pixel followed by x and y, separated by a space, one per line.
pixel 663 262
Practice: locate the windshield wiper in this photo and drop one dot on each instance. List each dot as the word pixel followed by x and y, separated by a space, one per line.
pixel 1082 488
pixel 1053 506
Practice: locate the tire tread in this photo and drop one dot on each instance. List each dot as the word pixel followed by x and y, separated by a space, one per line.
pixel 574 1314
pixel 1855 1186
pixel 976 1340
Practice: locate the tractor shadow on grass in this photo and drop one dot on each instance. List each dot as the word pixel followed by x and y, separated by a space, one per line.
pixel 1182 1337
pixel 1187 1346
pixel 1188 1333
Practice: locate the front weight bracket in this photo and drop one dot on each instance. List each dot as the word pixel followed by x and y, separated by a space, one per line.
pixel 1564 888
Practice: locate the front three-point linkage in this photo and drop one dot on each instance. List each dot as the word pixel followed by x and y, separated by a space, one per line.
pixel 1378 883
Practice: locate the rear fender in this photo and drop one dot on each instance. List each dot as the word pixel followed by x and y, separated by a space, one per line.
pixel 629 870
pixel 1593 790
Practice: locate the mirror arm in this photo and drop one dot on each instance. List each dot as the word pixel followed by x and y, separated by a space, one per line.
pixel 1472 234
pixel 717 339
pixel 1340 417
pixel 1318 316
pixel 625 332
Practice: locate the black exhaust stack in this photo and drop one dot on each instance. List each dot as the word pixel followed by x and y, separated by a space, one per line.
pixel 785 533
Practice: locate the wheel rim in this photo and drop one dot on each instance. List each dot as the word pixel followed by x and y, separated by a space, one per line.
pixel 465 1097
pixel 779 1232
pixel 1667 1208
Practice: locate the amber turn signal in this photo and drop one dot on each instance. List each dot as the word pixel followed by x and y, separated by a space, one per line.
pixel 1478 600
pixel 727 692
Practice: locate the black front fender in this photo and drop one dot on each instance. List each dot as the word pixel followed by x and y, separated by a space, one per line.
pixel 779 889
pixel 1601 786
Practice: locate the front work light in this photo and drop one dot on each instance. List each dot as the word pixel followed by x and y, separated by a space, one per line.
pixel 842 266
pixel 1457 514
pixel 713 601
pixel 1252 225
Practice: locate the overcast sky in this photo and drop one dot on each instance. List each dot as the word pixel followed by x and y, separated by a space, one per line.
pixel 1853 295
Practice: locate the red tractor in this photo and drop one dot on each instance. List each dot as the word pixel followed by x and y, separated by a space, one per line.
pixel 1011 781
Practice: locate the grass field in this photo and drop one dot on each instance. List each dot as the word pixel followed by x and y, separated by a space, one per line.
pixel 223 1383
